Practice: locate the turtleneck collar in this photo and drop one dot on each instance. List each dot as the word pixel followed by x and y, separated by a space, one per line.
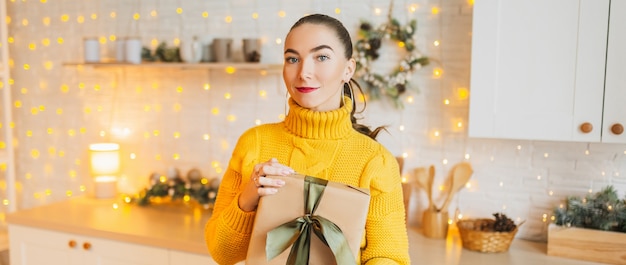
pixel 312 124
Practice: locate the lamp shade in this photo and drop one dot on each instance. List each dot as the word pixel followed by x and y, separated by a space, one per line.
pixel 104 159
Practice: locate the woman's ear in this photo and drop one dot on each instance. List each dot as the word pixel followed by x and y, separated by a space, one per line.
pixel 349 70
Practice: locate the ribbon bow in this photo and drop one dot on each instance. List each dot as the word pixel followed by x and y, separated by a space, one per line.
pixel 297 233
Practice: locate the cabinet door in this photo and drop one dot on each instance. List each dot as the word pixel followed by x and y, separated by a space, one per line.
pixel 29 246
pixel 538 69
pixel 33 246
pixel 111 252
pixel 615 90
pixel 184 258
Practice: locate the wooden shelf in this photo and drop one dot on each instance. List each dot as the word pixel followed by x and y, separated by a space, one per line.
pixel 223 66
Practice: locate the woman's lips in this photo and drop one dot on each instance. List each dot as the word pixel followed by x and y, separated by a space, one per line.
pixel 305 89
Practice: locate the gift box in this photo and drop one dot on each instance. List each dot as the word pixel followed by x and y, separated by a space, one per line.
pixel 309 219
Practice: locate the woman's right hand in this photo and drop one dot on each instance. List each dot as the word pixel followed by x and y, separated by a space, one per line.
pixel 260 185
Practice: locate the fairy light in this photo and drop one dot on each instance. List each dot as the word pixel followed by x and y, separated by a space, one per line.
pixel 437 72
pixel 463 93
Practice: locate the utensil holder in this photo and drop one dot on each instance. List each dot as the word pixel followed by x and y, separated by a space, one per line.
pixel 435 224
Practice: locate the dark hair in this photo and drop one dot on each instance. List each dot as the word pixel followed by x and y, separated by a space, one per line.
pixel 344 37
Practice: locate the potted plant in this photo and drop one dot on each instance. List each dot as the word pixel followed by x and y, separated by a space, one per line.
pixel 590 228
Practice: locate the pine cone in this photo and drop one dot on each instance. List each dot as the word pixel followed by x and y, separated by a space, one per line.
pixel 503 223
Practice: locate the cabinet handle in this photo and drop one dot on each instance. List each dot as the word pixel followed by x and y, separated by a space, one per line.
pixel 586 127
pixel 86 246
pixel 617 129
pixel 72 243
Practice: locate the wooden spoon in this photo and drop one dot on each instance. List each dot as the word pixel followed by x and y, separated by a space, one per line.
pixel 421 177
pixel 462 173
pixel 431 178
pixel 424 180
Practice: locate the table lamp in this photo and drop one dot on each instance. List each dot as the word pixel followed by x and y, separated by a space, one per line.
pixel 105 165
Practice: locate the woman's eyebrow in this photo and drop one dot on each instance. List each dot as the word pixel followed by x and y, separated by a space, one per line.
pixel 321 47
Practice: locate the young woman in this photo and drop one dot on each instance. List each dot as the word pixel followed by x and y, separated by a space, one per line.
pixel 319 137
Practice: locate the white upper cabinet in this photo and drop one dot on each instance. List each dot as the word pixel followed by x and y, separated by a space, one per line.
pixel 615 86
pixel 548 70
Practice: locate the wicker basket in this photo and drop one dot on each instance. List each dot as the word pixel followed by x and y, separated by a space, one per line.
pixel 484 241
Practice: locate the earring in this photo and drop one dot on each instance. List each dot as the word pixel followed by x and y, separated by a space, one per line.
pixel 351 94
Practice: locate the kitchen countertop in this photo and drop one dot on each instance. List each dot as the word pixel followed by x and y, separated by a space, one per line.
pixel 178 228
pixel 449 251
pixel 181 228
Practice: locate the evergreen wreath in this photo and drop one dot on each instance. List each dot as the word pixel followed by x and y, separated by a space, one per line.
pixel 370 39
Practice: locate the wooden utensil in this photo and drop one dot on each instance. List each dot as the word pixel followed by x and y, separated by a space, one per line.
pixel 431 178
pixel 461 174
pixel 424 179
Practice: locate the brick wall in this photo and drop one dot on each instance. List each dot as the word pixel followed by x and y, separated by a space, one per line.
pixel 191 118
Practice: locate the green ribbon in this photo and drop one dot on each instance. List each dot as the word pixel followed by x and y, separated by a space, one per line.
pixel 297 233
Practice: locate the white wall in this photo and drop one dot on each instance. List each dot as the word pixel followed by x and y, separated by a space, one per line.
pixel 167 111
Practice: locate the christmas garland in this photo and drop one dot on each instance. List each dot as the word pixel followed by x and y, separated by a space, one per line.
pixel 392 85
pixel 176 188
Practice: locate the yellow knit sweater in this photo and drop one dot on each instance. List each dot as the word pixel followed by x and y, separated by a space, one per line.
pixel 324 145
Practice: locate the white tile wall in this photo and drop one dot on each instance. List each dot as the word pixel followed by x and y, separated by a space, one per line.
pixel 64 108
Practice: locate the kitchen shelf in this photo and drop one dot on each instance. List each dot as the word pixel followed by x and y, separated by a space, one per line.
pixel 211 66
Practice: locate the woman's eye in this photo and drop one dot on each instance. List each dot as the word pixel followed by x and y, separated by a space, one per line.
pixel 291 60
pixel 322 58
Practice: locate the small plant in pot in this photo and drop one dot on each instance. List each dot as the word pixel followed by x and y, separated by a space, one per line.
pixel 584 226
pixel 488 235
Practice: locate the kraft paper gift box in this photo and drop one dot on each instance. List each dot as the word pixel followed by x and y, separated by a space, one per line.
pixel 282 216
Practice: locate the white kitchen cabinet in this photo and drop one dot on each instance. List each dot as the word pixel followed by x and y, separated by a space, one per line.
pixel 549 70
pixel 186 258
pixel 34 246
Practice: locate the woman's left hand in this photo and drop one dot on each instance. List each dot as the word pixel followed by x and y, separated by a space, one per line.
pixel 260 185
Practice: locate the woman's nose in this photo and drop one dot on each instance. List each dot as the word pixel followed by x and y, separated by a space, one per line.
pixel 306 69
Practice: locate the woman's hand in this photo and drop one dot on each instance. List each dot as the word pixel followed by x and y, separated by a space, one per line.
pixel 261 185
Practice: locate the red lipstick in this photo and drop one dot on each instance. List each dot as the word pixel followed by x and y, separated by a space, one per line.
pixel 306 89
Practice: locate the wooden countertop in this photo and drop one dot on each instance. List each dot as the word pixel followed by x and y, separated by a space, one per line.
pixel 178 228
